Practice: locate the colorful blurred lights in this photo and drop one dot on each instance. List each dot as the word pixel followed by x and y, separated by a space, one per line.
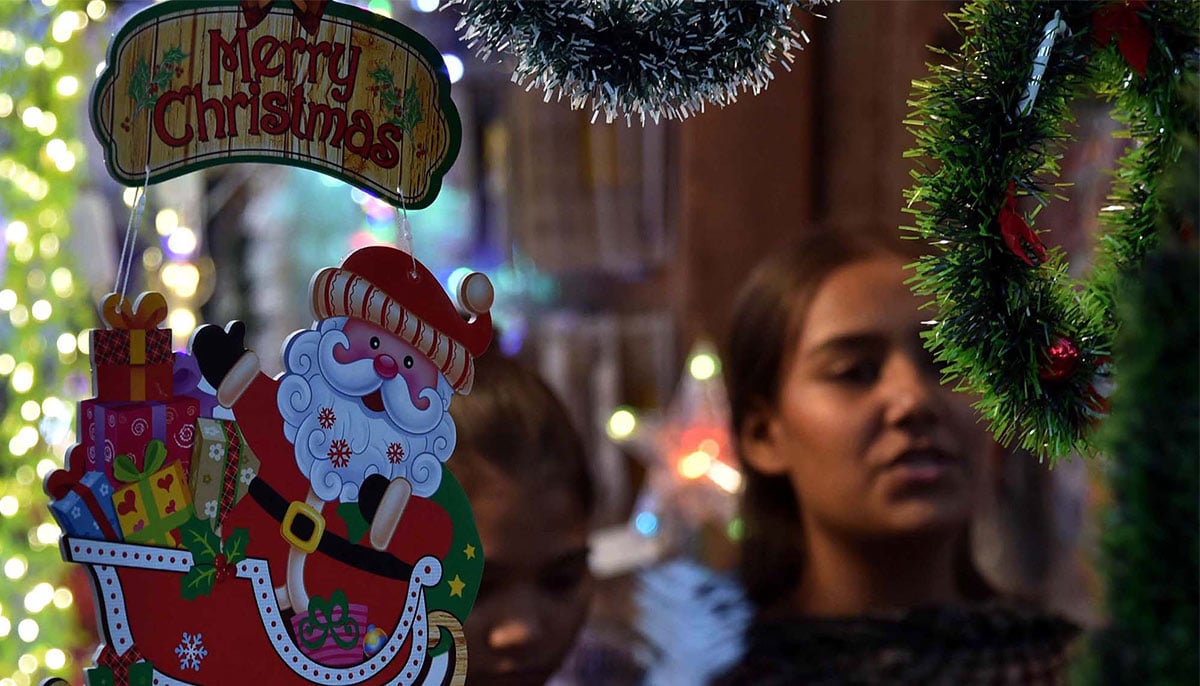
pixel 166 221
pixel 646 523
pixel 702 366
pixel 15 566
pixel 621 424
pixel 22 378
pixel 454 67
pixel 182 321
pixel 42 310
pixel 695 465
pixel 55 659
pixel 426 5
pixel 96 9
pixel 67 86
pixel 9 505
pixel 28 630
pixel 30 410
pixel 39 597
pixel 63 598
pixel 16 232
pixel 182 241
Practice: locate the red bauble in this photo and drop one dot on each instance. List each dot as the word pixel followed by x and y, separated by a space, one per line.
pixel 1058 360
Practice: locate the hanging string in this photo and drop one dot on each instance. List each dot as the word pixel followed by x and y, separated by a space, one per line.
pixel 403 228
pixel 125 264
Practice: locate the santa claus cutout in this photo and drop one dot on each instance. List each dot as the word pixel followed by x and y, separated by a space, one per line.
pixel 353 507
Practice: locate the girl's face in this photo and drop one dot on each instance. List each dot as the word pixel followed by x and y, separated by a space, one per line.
pixel 874 446
pixel 536 585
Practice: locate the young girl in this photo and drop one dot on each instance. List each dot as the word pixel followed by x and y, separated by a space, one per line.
pixel 523 467
pixel 863 476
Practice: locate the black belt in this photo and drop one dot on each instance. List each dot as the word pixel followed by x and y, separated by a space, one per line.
pixel 360 556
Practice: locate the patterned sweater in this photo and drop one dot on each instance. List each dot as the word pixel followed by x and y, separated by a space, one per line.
pixel 988 645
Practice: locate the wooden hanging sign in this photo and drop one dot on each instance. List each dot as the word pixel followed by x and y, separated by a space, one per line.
pixel 309 83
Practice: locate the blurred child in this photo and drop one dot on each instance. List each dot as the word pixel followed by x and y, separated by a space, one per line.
pixel 523 466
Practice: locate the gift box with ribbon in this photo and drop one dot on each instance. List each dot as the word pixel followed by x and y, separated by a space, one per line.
pixel 83 505
pixel 156 501
pixel 222 468
pixel 109 429
pixel 331 631
pixel 132 358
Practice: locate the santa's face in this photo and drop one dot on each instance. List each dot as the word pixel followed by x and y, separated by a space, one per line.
pixel 390 358
pixel 356 401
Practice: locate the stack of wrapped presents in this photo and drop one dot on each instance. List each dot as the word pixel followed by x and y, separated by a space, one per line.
pixel 150 456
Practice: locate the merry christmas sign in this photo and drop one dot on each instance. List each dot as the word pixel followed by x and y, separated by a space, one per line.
pixel 309 83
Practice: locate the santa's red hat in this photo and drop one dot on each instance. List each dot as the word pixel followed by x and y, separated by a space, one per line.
pixel 385 286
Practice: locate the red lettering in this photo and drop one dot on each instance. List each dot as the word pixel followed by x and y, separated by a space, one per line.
pixel 385 152
pixel 332 120
pixel 223 54
pixel 275 121
pixel 254 91
pixel 361 124
pixel 265 49
pixel 297 110
pixel 347 81
pixel 231 105
pixel 203 107
pixel 160 120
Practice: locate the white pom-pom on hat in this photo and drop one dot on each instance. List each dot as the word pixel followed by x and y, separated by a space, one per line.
pixel 475 293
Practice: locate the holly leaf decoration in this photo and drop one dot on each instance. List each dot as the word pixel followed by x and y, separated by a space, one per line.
pixel 381 76
pixel 139 81
pixel 200 540
pixel 235 545
pixel 174 56
pixel 411 110
pixel 199 581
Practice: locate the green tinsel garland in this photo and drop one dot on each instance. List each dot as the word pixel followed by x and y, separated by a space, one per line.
pixel 656 58
pixel 1150 540
pixel 1000 316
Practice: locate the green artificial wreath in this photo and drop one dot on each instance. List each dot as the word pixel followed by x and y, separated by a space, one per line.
pixel 656 58
pixel 1014 327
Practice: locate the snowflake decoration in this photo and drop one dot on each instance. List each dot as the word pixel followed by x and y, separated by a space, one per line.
pixel 191 651
pixel 216 451
pixel 395 453
pixel 76 512
pixel 247 475
pixel 210 509
pixel 326 417
pixel 339 453
pixel 210 432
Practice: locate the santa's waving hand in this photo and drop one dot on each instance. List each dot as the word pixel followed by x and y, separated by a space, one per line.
pixel 360 414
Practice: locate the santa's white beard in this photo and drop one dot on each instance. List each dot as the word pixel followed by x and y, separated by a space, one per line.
pixel 339 442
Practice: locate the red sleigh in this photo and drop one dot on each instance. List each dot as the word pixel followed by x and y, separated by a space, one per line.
pixel 239 633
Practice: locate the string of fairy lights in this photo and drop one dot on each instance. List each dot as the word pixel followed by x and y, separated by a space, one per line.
pixel 44 311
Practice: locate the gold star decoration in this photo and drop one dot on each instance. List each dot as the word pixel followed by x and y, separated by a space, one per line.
pixel 456 586
pixel 469 551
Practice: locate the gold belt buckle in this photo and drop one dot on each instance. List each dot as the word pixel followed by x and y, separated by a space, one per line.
pixel 300 511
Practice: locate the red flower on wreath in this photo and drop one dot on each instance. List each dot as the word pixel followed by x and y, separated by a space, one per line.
pixel 339 453
pixel 395 453
pixel 326 417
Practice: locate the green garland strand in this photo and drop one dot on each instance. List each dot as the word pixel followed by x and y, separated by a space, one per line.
pixel 656 58
pixel 1150 542
pixel 1004 316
